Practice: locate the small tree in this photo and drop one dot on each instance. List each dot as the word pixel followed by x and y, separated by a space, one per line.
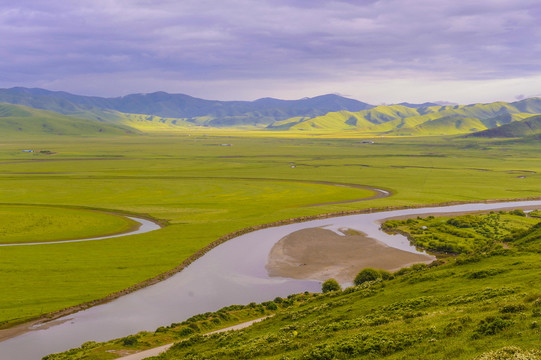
pixel 330 285
pixel 367 274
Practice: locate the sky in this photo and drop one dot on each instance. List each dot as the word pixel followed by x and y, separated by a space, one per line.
pixel 376 51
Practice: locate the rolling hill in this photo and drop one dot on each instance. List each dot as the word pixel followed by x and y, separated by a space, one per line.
pixel 162 112
pixel 418 119
pixel 179 106
pixel 528 127
pixel 18 120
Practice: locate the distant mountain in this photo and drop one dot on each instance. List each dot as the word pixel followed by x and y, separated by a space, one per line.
pixel 161 111
pixel 416 106
pixel 528 127
pixel 417 119
pixel 179 106
pixel 19 120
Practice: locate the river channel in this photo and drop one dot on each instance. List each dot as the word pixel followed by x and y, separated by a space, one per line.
pixel 232 273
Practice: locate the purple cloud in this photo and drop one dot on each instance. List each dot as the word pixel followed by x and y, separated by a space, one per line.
pixel 190 41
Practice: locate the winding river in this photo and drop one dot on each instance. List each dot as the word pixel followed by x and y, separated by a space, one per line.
pixel 232 273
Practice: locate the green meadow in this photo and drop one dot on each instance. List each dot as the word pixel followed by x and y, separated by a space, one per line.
pixel 202 190
pixel 24 224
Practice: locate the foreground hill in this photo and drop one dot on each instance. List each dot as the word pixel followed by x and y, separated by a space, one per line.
pixel 482 304
pixel 528 127
pixel 18 120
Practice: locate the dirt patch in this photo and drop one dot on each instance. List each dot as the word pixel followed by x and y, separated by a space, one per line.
pixel 319 254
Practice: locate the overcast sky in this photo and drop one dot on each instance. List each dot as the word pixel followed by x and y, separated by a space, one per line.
pixel 386 51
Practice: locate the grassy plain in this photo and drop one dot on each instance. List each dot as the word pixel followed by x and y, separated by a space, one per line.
pixel 204 190
pixel 25 224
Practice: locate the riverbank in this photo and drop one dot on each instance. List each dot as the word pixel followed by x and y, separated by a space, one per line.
pixel 319 254
pixel 4 334
pixel 160 349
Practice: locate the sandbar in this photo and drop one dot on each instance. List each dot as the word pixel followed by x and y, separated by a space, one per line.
pixel 320 254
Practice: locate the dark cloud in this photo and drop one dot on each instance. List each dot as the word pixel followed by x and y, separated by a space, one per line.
pixel 203 40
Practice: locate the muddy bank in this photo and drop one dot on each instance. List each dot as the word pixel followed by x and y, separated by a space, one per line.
pixel 319 254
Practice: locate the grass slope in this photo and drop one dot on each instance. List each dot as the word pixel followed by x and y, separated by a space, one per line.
pixel 479 306
pixel 420 120
pixel 528 127
pixel 18 120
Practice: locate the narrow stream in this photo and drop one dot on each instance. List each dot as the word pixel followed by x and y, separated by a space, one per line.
pixel 232 273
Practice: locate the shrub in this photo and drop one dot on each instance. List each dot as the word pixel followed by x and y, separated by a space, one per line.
pixel 185 331
pixel 512 308
pixel 490 326
pixel 385 275
pixel 367 274
pixel 129 340
pixel 517 212
pixel 330 285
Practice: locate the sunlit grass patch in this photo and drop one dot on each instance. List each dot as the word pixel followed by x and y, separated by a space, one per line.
pixel 27 224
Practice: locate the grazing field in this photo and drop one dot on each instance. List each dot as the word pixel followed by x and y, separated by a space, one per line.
pixel 203 190
pixel 28 224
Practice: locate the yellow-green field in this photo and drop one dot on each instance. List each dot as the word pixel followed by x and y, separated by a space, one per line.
pixel 204 190
pixel 29 224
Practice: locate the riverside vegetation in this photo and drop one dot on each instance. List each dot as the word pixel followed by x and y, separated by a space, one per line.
pixel 483 304
pixel 202 191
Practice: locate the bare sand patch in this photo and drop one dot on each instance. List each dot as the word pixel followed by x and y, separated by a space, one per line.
pixel 320 254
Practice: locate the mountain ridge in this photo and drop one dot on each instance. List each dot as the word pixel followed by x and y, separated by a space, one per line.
pixel 161 111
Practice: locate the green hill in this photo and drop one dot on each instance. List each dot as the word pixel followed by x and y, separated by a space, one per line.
pixel 417 119
pixel 18 120
pixel 214 113
pixel 528 127
pixel 162 112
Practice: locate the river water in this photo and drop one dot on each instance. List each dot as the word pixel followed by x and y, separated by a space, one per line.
pixel 231 273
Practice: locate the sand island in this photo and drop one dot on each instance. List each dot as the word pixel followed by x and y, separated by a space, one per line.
pixel 320 254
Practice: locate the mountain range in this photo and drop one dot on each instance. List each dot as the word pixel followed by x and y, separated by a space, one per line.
pixel 26 110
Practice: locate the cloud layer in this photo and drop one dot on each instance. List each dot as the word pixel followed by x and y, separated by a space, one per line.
pixel 246 49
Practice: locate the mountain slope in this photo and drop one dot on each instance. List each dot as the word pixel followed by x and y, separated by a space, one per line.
pixel 161 111
pixel 180 106
pixel 528 127
pixel 418 120
pixel 18 120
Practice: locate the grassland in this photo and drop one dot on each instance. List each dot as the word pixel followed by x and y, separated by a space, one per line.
pixel 25 224
pixel 469 307
pixel 204 190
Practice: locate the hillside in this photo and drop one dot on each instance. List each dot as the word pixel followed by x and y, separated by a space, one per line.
pixel 162 112
pixel 18 120
pixel 528 127
pixel 179 106
pixel 481 305
pixel 418 119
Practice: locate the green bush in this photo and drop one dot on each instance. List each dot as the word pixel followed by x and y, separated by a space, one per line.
pixel 129 340
pixel 330 285
pixel 367 274
pixel 490 326
pixel 517 212
pixel 385 275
